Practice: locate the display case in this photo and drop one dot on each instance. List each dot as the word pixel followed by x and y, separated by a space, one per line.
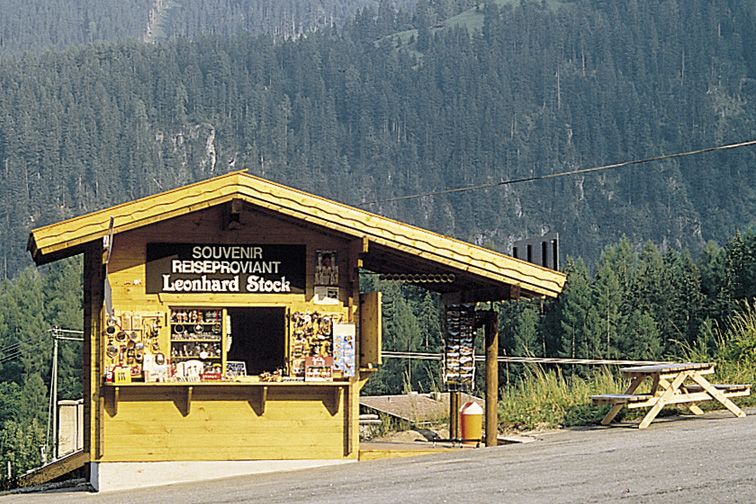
pixel 197 343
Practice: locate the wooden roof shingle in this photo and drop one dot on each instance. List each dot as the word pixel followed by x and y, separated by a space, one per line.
pixel 389 245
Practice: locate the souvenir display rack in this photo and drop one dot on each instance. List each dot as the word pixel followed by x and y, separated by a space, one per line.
pixel 197 335
pixel 311 336
pixel 459 358
pixel 189 344
pixel 132 347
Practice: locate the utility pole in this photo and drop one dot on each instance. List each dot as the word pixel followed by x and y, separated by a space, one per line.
pixel 52 419
pixel 54 394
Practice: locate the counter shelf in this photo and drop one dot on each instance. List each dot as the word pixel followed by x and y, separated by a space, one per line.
pixel 261 389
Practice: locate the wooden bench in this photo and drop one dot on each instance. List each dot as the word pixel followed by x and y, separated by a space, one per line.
pixel 619 398
pixel 630 400
pixel 741 389
pixel 728 390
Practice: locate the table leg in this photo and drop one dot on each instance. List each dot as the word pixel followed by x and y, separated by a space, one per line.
pixel 719 396
pixel 617 407
pixel 668 393
pixel 694 409
pixel 656 382
pixel 691 406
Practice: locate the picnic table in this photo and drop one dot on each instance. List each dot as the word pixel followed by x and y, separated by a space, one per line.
pixel 671 384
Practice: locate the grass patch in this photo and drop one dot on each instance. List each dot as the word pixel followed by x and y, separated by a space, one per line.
pixel 546 398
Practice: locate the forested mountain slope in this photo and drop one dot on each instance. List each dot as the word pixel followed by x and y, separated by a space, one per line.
pixel 280 19
pixel 536 91
pixel 34 25
pixel 385 104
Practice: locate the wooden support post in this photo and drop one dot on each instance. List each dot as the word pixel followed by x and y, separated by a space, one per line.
pixel 116 398
pixel 347 392
pixel 263 398
pixel 189 391
pixel 492 378
pixel 94 400
pixel 454 415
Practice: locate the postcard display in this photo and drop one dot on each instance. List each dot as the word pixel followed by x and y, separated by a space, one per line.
pixel 322 346
pixel 459 359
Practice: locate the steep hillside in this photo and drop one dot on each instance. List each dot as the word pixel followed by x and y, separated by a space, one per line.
pixel 470 20
pixel 34 25
pixel 535 91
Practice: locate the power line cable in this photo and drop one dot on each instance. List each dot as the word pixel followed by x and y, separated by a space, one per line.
pixel 10 348
pixel 564 174
pixel 10 357
pixel 528 360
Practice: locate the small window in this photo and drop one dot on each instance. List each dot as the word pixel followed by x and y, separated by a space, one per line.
pixel 258 337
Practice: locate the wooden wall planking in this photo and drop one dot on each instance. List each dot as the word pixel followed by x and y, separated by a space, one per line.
pixel 154 422
pixel 151 425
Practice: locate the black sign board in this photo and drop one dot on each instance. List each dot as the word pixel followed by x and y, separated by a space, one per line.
pixel 185 268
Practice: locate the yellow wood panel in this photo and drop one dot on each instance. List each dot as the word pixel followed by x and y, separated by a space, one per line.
pixel 295 424
pixel 235 432
pixel 371 336
pixel 223 422
pixel 222 411
pixel 243 422
pixel 127 268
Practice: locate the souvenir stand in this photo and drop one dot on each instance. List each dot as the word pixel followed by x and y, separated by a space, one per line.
pixel 225 330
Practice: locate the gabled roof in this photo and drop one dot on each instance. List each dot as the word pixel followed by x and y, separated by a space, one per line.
pixel 386 246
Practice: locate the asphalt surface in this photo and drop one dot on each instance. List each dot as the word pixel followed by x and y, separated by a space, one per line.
pixel 705 459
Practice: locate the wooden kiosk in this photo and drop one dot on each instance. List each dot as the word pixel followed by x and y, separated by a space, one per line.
pixel 225 331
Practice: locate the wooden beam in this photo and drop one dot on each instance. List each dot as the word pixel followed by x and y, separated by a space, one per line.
pixel 492 378
pixel 94 401
pixel 189 391
pixel 54 470
pixel 454 400
pixel 357 249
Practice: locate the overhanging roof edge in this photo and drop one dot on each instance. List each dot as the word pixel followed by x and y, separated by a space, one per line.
pixel 51 242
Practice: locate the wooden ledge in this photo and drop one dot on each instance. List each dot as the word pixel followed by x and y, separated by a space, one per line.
pixel 229 384
pixel 261 387
pixel 619 398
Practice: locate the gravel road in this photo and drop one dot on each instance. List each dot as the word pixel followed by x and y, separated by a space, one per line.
pixel 711 458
